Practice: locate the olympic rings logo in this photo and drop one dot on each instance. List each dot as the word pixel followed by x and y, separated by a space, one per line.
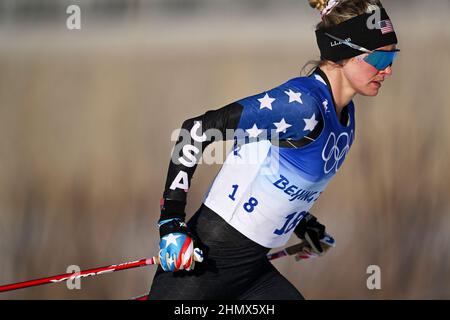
pixel 335 151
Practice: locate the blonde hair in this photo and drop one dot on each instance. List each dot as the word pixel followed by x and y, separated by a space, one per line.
pixel 343 11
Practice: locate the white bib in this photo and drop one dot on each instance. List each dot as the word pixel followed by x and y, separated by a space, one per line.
pixel 261 197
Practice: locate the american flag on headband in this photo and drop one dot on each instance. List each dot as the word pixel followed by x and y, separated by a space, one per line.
pixel 386 26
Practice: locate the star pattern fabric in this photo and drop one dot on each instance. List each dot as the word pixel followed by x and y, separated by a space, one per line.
pixel 284 111
pixel 266 102
pixel 294 96
pixel 282 126
pixel 310 123
pixel 254 132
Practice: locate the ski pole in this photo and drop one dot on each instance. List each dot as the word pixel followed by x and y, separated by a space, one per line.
pixel 302 250
pixel 295 249
pixel 289 251
pixel 81 274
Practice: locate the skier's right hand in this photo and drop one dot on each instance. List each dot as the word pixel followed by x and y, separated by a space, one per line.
pixel 313 232
pixel 177 250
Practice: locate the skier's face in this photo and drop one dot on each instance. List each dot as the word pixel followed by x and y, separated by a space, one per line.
pixel 364 78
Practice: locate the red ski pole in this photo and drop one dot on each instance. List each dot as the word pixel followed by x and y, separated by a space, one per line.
pixel 81 274
pixel 295 249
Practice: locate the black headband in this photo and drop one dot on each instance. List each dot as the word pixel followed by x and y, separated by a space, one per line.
pixel 362 30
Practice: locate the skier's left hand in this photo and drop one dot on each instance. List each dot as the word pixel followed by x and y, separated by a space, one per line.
pixel 312 231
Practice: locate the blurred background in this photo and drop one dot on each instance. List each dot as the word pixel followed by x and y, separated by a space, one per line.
pixel 86 118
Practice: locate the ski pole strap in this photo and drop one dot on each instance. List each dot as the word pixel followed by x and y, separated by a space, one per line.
pixel 172 226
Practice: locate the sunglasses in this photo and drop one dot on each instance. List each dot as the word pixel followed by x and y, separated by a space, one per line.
pixel 380 59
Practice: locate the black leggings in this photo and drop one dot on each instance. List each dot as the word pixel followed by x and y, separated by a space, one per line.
pixel 235 267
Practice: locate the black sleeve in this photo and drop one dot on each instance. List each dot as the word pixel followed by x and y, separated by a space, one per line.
pixel 195 136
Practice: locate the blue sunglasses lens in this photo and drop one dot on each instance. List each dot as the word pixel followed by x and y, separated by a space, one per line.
pixel 381 59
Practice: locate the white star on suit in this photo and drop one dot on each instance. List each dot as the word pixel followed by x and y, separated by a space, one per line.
pixel 294 96
pixel 254 131
pixel 171 239
pixel 310 123
pixel 266 102
pixel 282 126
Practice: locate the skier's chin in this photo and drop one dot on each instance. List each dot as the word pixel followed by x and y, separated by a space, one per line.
pixel 369 91
pixel 373 94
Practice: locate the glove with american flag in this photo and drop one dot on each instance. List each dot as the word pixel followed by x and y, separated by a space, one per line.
pixel 176 247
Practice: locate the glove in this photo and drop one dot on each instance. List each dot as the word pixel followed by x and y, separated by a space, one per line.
pixel 176 247
pixel 313 232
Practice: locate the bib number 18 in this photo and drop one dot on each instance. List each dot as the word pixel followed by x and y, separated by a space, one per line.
pixel 291 221
pixel 248 206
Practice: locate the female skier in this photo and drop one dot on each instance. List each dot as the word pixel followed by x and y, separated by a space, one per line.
pixel 289 142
